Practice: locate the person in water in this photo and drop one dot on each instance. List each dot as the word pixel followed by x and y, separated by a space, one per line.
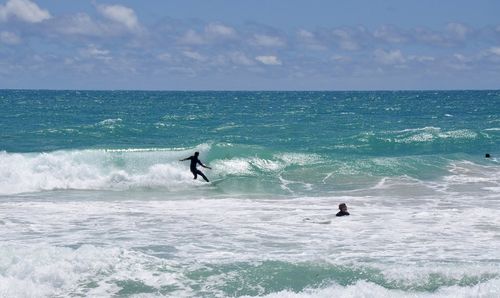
pixel 343 210
pixel 194 161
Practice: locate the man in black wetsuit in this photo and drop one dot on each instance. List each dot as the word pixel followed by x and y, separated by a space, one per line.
pixel 343 210
pixel 194 161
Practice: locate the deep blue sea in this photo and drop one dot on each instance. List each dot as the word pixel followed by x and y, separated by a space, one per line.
pixel 94 201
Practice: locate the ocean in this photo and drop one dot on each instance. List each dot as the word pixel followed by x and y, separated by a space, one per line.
pixel 94 201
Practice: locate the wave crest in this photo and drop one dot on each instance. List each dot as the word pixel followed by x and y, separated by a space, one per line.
pixel 91 170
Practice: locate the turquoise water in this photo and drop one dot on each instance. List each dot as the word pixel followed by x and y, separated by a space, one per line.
pixel 329 123
pixel 94 200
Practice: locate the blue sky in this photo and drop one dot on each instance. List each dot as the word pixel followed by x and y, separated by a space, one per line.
pixel 250 45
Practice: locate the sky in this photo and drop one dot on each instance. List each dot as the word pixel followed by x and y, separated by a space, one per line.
pixel 250 44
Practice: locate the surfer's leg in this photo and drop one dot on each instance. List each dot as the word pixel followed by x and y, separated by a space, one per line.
pixel 202 175
pixel 195 174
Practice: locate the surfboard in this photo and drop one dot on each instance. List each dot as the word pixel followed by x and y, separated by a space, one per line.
pixel 216 181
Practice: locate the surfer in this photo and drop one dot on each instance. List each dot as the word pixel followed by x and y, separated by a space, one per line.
pixel 194 161
pixel 343 210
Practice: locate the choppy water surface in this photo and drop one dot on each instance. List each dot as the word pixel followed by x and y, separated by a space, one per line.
pixel 95 202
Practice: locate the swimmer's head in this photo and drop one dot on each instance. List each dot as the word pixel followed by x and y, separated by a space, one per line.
pixel 487 155
pixel 343 207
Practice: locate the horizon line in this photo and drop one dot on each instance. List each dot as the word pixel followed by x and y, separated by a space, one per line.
pixel 249 90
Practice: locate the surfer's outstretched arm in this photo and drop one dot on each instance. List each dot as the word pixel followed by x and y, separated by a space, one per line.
pixel 201 164
pixel 185 158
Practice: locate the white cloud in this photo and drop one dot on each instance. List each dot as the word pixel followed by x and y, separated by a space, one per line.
pixel 121 15
pixel 459 62
pixel 240 58
pixel 232 60
pixel 194 55
pixel 192 38
pixel 83 24
pixel 495 51
pixel 460 57
pixel 218 30
pixel 492 54
pixel 268 60
pixel 304 34
pixel 344 39
pixel 389 57
pixel 268 41
pixel 212 32
pixel 457 30
pixel 341 59
pixel 92 51
pixel 433 38
pixel 165 57
pixel 389 34
pixel 310 40
pixel 453 34
pixel 421 59
pixel 24 10
pixel 80 24
pixel 9 38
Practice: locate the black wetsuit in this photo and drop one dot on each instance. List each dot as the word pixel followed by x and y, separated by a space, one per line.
pixel 342 213
pixel 194 161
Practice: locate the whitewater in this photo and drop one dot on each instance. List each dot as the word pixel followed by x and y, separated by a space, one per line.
pixel 94 201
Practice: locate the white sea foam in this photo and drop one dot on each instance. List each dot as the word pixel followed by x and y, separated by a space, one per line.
pixel 46 271
pixel 72 247
pixel 268 165
pixel 110 122
pixel 363 289
pixel 236 166
pixel 253 165
pixel 300 159
pixel 93 170
pixel 426 128
pixel 467 174
pixel 427 134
